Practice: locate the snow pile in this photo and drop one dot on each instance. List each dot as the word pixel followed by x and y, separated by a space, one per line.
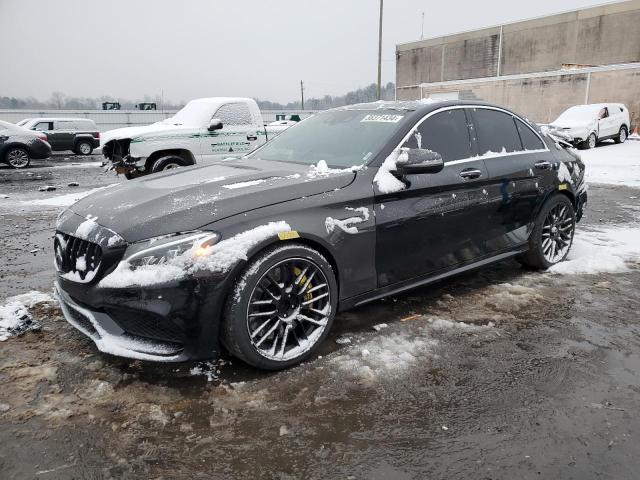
pixel 321 169
pixel 613 164
pixel 15 318
pixel 386 181
pixel 217 258
pixel 603 250
pixel 64 200
pixel 250 183
pixel 348 224
pixel 384 355
pixel 442 324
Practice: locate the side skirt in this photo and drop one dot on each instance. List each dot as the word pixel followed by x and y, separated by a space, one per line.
pixel 421 281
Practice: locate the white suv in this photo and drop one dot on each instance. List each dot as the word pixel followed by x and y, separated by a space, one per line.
pixel 589 124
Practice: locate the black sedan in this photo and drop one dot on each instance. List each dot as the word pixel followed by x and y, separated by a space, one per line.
pixel 258 254
pixel 19 145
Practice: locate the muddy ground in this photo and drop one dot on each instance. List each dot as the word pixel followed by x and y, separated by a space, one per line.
pixel 542 382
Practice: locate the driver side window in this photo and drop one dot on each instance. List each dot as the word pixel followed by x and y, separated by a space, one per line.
pixel 234 114
pixel 445 133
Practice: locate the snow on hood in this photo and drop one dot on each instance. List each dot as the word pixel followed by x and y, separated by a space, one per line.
pixel 132 132
pixel 190 198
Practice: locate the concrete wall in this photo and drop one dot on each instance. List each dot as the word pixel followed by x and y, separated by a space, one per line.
pixel 542 97
pixel 594 36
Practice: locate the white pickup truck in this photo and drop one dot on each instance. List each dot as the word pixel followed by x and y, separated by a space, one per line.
pixel 206 129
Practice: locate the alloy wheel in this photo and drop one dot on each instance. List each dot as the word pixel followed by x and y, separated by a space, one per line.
pixel 557 233
pixel 623 135
pixel 18 158
pixel 592 141
pixel 289 309
pixel 84 148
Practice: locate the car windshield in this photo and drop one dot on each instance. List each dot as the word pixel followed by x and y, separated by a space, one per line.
pixel 580 113
pixel 196 113
pixel 10 126
pixel 342 138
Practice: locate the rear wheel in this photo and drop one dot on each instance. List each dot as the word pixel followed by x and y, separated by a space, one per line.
pixel 84 148
pixel 18 157
pixel 622 135
pixel 281 308
pixel 167 163
pixel 552 235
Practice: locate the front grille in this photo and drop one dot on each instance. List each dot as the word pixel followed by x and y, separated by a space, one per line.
pixel 75 255
pixel 146 325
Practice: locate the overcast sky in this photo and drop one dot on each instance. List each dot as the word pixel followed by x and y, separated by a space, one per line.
pixel 196 48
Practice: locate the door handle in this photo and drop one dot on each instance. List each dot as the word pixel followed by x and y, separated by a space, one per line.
pixel 252 137
pixel 543 165
pixel 469 173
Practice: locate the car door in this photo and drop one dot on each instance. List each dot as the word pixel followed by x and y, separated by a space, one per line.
pixel 64 131
pixel 439 220
pixel 46 127
pixel 519 165
pixel 236 136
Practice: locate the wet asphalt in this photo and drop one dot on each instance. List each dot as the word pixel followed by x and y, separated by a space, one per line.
pixel 544 383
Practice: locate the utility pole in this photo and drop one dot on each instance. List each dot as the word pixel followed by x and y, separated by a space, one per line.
pixel 380 53
pixel 422 33
pixel 302 93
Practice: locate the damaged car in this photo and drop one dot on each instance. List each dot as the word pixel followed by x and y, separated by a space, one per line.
pixel 257 254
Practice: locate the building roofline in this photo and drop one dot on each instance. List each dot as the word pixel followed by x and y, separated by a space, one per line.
pixel 631 4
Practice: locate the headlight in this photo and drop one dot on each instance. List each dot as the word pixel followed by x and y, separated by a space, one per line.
pixel 161 250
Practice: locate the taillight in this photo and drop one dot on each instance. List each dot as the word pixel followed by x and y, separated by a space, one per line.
pixel 43 137
pixel 98 135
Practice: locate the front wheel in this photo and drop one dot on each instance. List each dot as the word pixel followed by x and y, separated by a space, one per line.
pixel 552 235
pixel 167 163
pixel 590 142
pixel 18 157
pixel 622 135
pixel 281 308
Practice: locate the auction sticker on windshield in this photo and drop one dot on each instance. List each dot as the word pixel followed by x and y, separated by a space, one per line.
pixel 382 118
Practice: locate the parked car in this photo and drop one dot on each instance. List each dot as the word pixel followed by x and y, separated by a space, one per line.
pixel 279 126
pixel 79 135
pixel 205 130
pixel 590 124
pixel 259 253
pixel 18 145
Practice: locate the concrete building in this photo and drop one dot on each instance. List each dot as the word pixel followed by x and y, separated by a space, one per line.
pixel 537 67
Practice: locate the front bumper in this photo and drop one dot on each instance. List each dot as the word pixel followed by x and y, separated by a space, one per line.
pixel 172 323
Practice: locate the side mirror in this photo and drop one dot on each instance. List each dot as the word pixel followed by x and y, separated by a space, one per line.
pixel 214 124
pixel 419 160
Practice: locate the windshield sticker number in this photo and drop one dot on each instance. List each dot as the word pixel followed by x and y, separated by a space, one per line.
pixel 382 118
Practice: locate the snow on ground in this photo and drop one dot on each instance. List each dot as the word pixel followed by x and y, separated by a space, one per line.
pixel 63 200
pixel 607 249
pixel 613 164
pixel 15 318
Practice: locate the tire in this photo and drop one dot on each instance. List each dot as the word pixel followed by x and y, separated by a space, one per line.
pixel 590 142
pixel 286 296
pixel 83 148
pixel 622 135
pixel 17 157
pixel 167 163
pixel 559 234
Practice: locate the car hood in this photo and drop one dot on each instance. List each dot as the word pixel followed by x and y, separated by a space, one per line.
pixel 190 198
pixel 572 123
pixel 132 132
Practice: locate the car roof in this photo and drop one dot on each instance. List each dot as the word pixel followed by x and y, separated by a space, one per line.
pixel 51 119
pixel 421 106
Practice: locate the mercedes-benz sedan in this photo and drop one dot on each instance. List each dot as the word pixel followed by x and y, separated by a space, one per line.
pixel 257 254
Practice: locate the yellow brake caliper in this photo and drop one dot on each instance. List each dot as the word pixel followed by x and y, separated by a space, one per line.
pixel 303 280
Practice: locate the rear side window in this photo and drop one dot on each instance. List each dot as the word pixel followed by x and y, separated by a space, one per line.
pixel 65 125
pixel 530 141
pixel 496 132
pixel 445 133
pixel 86 125
pixel 234 114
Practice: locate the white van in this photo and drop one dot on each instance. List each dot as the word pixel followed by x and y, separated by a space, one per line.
pixel 589 124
